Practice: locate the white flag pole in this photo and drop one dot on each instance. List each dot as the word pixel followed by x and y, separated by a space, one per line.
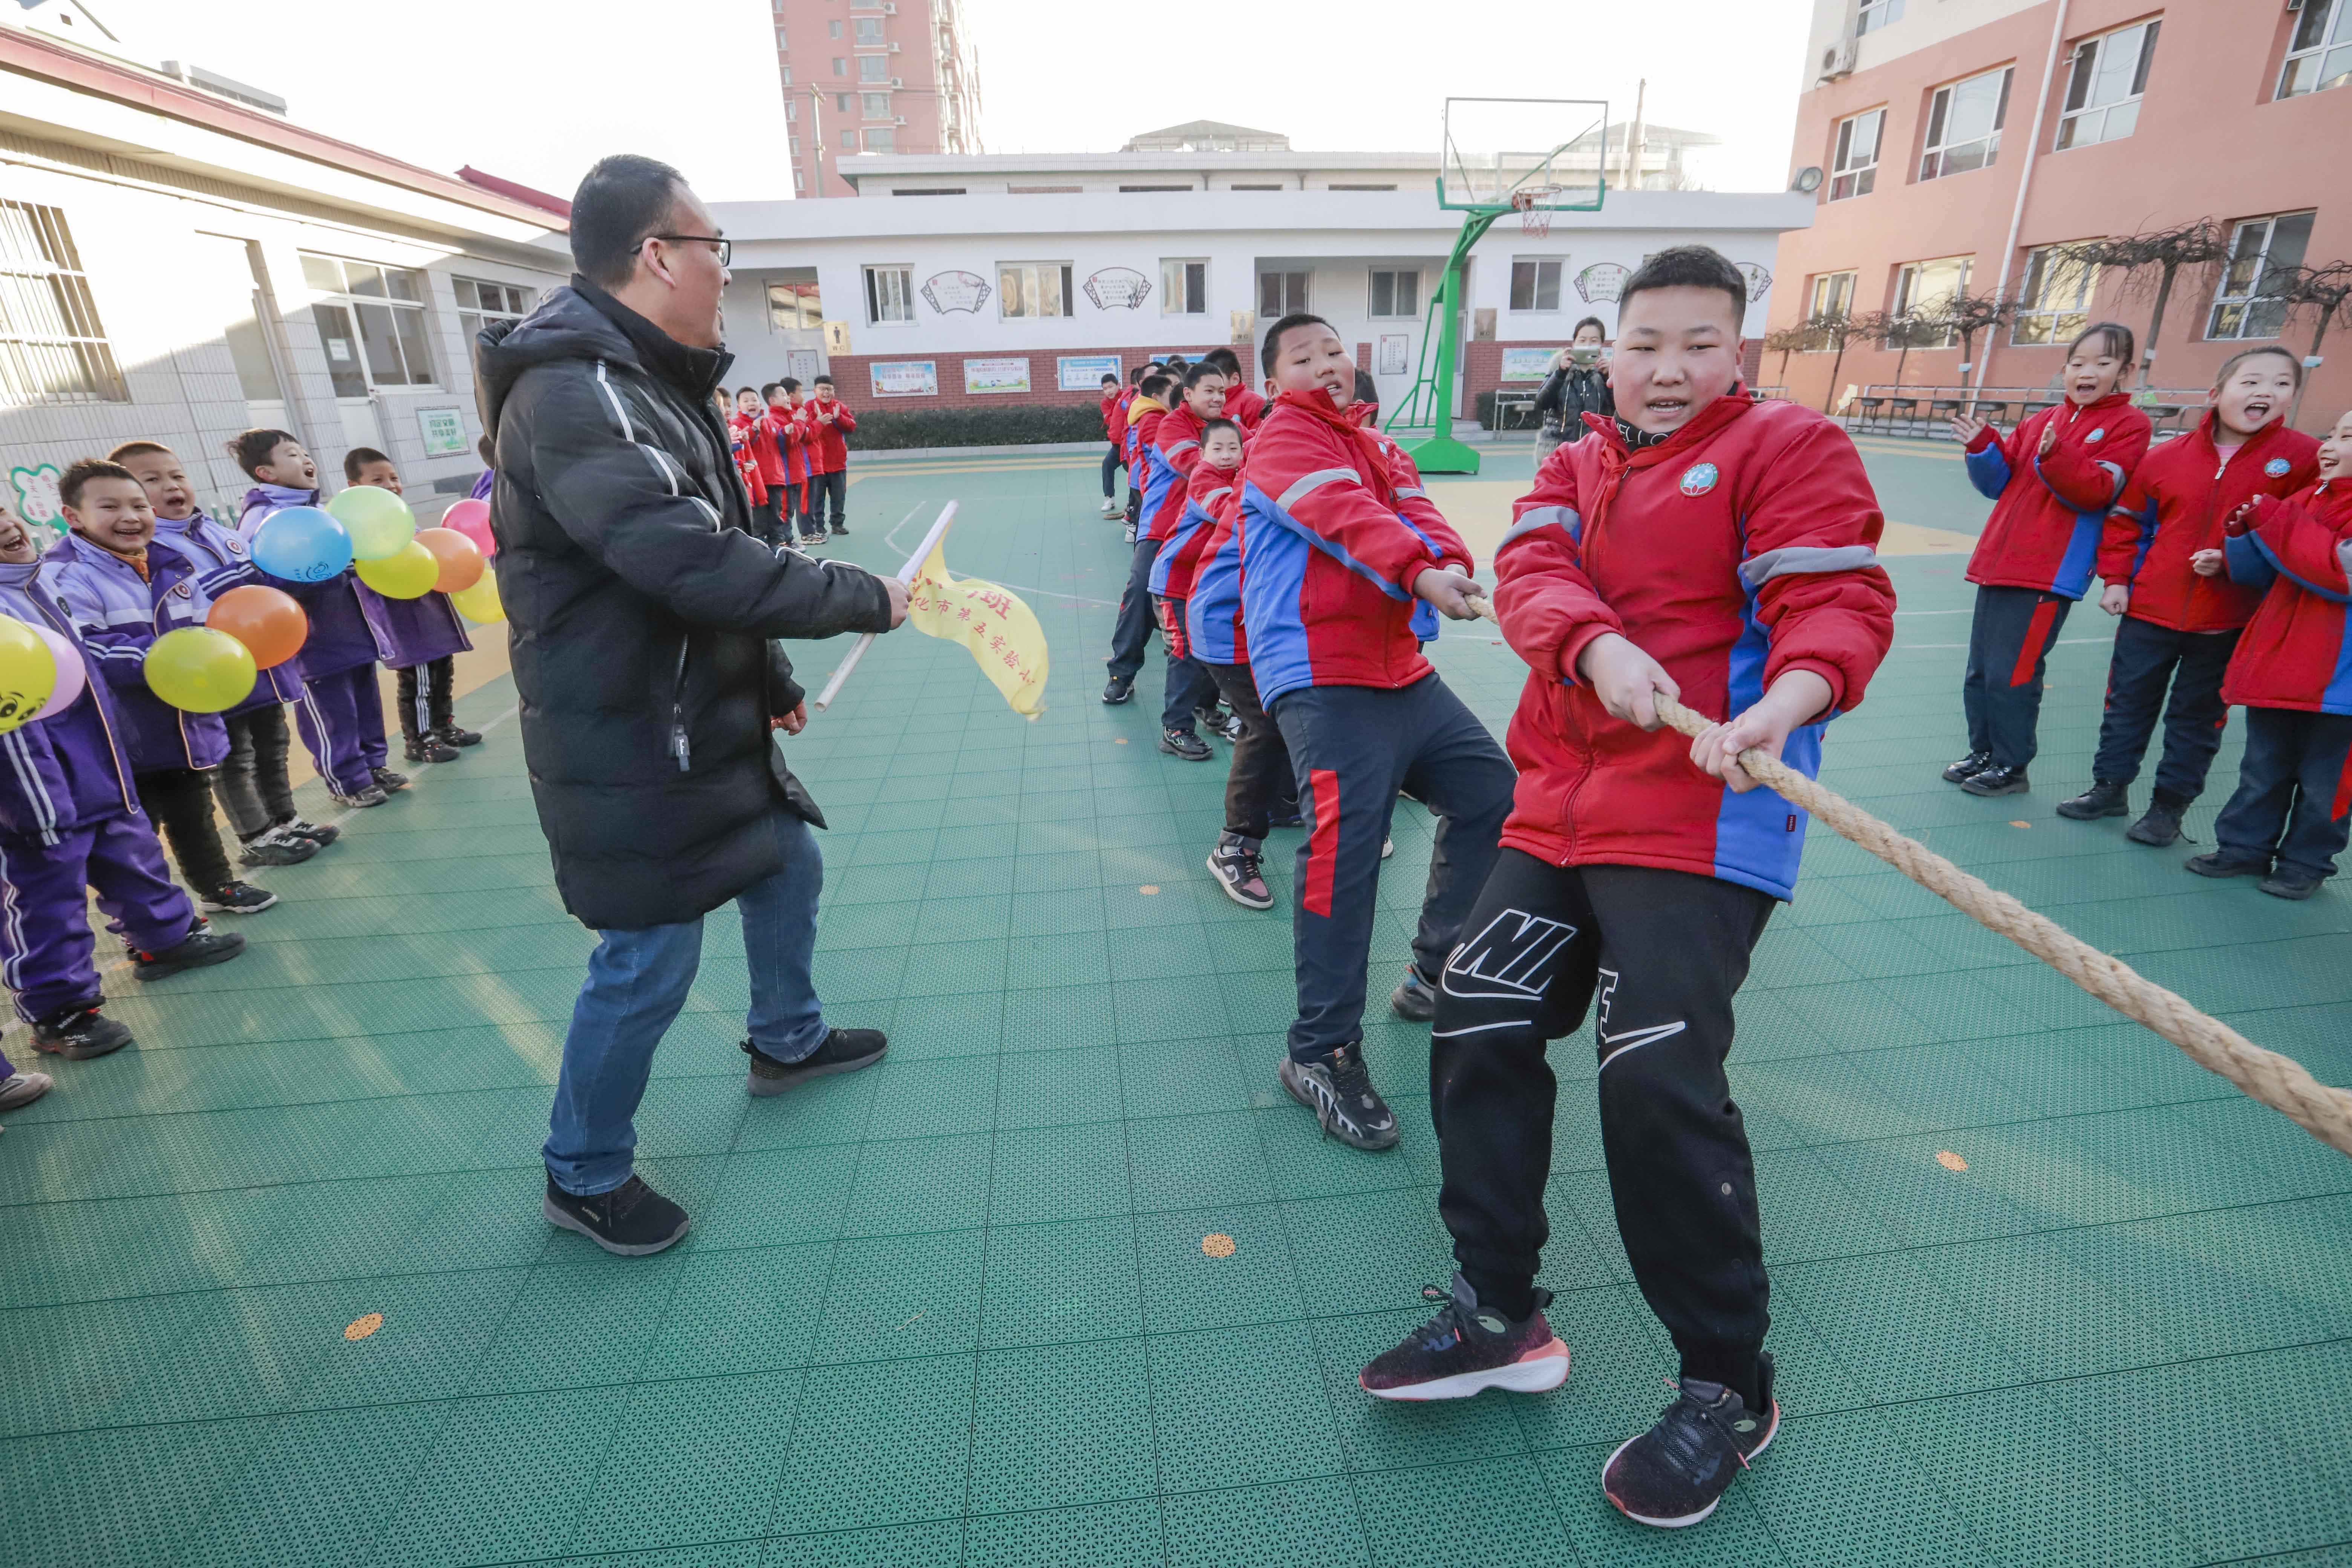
pixel 906 574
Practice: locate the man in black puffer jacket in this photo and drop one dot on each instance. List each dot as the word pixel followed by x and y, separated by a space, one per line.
pixel 640 610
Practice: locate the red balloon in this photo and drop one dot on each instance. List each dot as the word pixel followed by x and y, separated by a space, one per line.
pixel 461 564
pixel 472 519
pixel 269 623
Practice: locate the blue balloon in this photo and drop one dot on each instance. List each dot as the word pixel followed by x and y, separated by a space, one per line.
pixel 301 544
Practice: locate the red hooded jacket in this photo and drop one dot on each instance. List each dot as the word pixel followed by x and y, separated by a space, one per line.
pixel 1245 407
pixel 1113 401
pixel 762 435
pixel 740 432
pixel 2179 498
pixel 828 453
pixel 1171 449
pixel 1741 547
pixel 2048 513
pixel 2297 651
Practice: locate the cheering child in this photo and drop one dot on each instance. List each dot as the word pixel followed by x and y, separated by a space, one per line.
pixel 1111 401
pixel 793 455
pixel 1244 406
pixel 1131 630
pixel 1170 535
pixel 827 420
pixel 418 639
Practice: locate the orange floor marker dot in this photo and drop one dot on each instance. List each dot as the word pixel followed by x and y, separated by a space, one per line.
pixel 1949 1161
pixel 1120 742
pixel 1217 1243
pixel 1150 887
pixel 2018 823
pixel 361 1328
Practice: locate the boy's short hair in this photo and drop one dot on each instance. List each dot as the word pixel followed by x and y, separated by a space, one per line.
pixel 1224 358
pixel 356 460
pixel 1109 378
pixel 1210 427
pixel 821 381
pixel 1202 371
pixel 1272 349
pixel 84 470
pixel 1598 325
pixel 130 449
pixel 1159 385
pixel 790 384
pixel 1688 267
pixel 2243 355
pixel 741 390
pixel 619 204
pixel 251 449
pixel 769 389
pixel 2117 340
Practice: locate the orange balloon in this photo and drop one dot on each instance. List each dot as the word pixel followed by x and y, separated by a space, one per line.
pixel 269 623
pixel 460 558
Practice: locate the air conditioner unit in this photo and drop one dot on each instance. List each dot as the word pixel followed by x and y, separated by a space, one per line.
pixel 890 8
pixel 894 46
pixel 1838 60
pixel 897 82
pixel 901 120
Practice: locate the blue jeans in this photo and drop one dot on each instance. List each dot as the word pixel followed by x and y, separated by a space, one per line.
pixel 638 982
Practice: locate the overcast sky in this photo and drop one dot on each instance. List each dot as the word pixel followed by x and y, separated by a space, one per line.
pixel 537 91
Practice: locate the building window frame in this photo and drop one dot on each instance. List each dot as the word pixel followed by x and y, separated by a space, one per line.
pixel 1288 297
pixel 1941 155
pixel 874 105
pixel 795 307
pixel 1830 294
pixel 863 41
pixel 873 68
pixel 1918 289
pixel 1400 301
pixel 889 288
pixel 481 300
pixel 2093 69
pixel 2259 248
pixel 1034 291
pixel 53 346
pixel 378 312
pixel 1853 167
pixel 1873 14
pixel 2054 293
pixel 2320 45
pixel 1183 285
pixel 1534 285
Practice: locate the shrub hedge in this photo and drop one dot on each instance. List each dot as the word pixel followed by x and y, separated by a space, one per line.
pixel 1010 424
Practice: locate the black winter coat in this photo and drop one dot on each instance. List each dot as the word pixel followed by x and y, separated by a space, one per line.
pixel 1568 395
pixel 639 609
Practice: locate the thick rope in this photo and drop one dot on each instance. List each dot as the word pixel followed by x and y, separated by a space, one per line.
pixel 2280 1082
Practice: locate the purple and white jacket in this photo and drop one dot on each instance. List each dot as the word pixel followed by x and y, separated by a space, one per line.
pixel 222 562
pixel 118 617
pixel 71 768
pixel 340 638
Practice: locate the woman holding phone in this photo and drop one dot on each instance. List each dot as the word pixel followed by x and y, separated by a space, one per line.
pixel 1577 385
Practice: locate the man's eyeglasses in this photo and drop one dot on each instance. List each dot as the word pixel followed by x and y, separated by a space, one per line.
pixel 726 250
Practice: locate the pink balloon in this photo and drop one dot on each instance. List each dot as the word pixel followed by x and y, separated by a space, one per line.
pixel 71 676
pixel 472 519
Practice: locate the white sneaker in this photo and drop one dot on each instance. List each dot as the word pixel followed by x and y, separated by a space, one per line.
pixel 1110 508
pixel 23 1088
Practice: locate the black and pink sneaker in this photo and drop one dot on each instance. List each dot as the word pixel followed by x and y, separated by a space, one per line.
pixel 1673 1474
pixel 1467 1348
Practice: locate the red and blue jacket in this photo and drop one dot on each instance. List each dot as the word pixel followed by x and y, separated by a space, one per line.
pixel 1331 542
pixel 1175 568
pixel 1245 407
pixel 1743 546
pixel 2175 504
pixel 1143 416
pixel 2297 650
pixel 2049 511
pixel 1114 403
pixel 828 449
pixel 1171 449
pixel 1214 629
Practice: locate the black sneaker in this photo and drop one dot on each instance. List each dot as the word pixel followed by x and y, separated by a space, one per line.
pixel 320 834
pixel 844 1050
pixel 839 531
pixel 2106 797
pixel 2219 863
pixel 1339 1092
pixel 1121 688
pixel 2161 826
pixel 1465 1350
pixel 631 1221
pixel 388 781
pixel 371 795
pixel 1675 1474
pixel 1965 768
pixel 1997 781
pixel 236 899
pixel 199 948
pixel 2291 882
pixel 452 735
pixel 275 846
pixel 1222 722
pixel 1415 1001
pixel 79 1034
pixel 429 749
pixel 1185 744
pixel 1235 864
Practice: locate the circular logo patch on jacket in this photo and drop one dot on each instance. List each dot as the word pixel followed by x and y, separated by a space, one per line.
pixel 2098 435
pixel 2276 467
pixel 1698 479
pixel 233 545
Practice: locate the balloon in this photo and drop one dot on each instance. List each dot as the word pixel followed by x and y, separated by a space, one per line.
pixel 408 572
pixel 301 544
pixel 270 624
pixel 200 669
pixel 472 519
pixel 480 603
pixel 378 521
pixel 461 563
pixel 28 673
pixel 71 673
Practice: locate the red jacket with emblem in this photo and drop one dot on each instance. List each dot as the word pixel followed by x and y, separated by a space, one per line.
pixel 742 433
pixel 828 453
pixel 2179 498
pixel 1171 449
pixel 2048 511
pixel 792 441
pixel 1113 401
pixel 762 435
pixel 2297 651
pixel 1245 407
pixel 1742 547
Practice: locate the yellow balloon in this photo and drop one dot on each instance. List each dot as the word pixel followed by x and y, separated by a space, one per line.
pixel 200 670
pixel 480 603
pixel 28 673
pixel 408 572
pixel 378 521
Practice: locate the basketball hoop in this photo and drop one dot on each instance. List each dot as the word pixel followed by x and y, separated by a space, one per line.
pixel 1534 221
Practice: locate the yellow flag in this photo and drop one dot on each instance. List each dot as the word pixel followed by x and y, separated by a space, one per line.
pixel 1000 631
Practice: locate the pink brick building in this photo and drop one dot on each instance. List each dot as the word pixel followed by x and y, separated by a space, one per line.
pixel 873 75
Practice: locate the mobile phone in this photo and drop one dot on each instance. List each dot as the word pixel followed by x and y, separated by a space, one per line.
pixel 1584 358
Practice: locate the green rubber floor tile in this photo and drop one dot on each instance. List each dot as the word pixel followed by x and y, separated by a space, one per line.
pixel 1496 1511
pixel 1386 1434
pixel 1734 1534
pixel 1369 1250
pixel 1586 1196
pixel 1059 913
pixel 706 1554
pixel 987 917
pixel 1809 1213
pixel 1937 1085
pixel 123 1499
pixel 1239 1407
pixel 678 1116
pixel 752 1309
pixel 1180 1009
pixel 577 1325
pixel 1072 871
pixel 1108 1536
pixel 1894 1327
pixel 924 1028
pixel 1061 1425
pixel 877 847
pixel 819 1111
pixel 1185 1161
pixel 1853 1489
pixel 1052 1089
pixel 317 1488
pixel 692 1462
pixel 1179 1077
pixel 1325 1167
pixel 1057 1018
pixel 1045 1174
pixel 1073 958
pixel 933 1540
pixel 920 1185
pixel 1172 951
pixel 930 1098
pixel 776 1197
pixel 902 1296
pixel 1619 1364
pixel 1305 1524
pixel 942 968
pixel 1856 1014
pixel 2111 1066
pixel 506 1481
pixel 1192 1282
pixel 879 1443
pixel 849 925
pixel 879 884
pixel 1926 1204
pixel 1050 1284
pixel 1249 946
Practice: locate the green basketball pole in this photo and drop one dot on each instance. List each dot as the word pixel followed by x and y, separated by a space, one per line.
pixel 1440 453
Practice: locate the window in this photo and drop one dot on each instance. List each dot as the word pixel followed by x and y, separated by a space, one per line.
pixel 1925 287
pixel 874 105
pixel 874 67
pixel 52 348
pixel 2053 301
pixel 388 303
pixel 791 110
pixel 2320 53
pixel 1043 190
pixel 1280 294
pixel 883 140
pixel 1134 188
pixel 1396 292
pixel 832 29
pixel 889 294
pixel 1184 287
pixel 1964 125
pixel 788 81
pixel 793 144
pixel 849 140
pixel 869 32
pixel 1853 171
pixel 1258 187
pixel 479 303
pixel 1876 14
pixel 2103 85
pixel 800 182
pixel 1026 289
pixel 1535 283
pixel 928 191
pixel 796 307
pixel 840 66
pixel 2260 250
pixel 842 101
pixel 1832 295
pixel 1360 187
pixel 782 42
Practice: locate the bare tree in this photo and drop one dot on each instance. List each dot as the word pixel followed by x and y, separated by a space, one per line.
pixel 1836 329
pixel 2156 257
pixel 1966 314
pixel 1793 339
pixel 1904 330
pixel 2325 292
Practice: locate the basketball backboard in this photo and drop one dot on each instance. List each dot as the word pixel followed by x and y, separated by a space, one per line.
pixel 1546 152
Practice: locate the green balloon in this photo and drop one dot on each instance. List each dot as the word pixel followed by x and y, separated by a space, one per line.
pixel 378 521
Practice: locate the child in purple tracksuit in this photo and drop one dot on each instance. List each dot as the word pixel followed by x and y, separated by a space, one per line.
pixel 251 783
pixel 416 638
pixel 341 713
pixel 125 588
pixel 69 821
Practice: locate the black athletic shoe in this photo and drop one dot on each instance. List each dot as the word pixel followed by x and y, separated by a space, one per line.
pixel 1339 1092
pixel 1236 866
pixel 236 899
pixel 1968 767
pixel 2218 863
pixel 2161 826
pixel 2106 797
pixel 844 1050
pixel 320 834
pixel 275 846
pixel 1467 1349
pixel 1185 744
pixel 839 531
pixel 199 948
pixel 1415 1001
pixel 1997 781
pixel 2291 882
pixel 1120 689
pixel 388 781
pixel 1675 1474
pixel 429 749
pixel 452 735
pixel 369 797
pixel 630 1221
pixel 79 1034
pixel 1222 722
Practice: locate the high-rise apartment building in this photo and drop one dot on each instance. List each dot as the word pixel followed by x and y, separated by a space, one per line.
pixel 873 75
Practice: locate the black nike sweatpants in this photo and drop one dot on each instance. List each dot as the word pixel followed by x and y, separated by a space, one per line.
pixel 1665 952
